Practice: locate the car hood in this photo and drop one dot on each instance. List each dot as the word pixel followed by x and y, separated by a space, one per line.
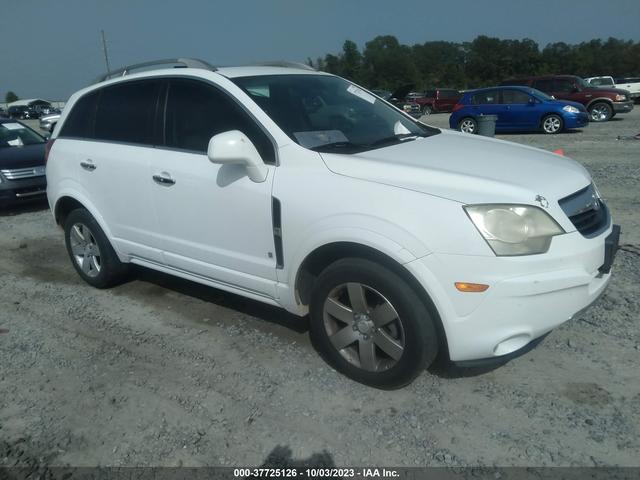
pixel 22 157
pixel 599 91
pixel 466 168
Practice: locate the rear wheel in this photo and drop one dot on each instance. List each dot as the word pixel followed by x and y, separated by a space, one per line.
pixel 468 125
pixel 600 112
pixel 552 124
pixel 370 325
pixel 90 252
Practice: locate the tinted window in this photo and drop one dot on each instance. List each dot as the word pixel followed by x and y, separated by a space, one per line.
pixel 126 112
pixel 514 97
pixel 544 85
pixel 486 98
pixel 563 86
pixel 79 122
pixel 449 94
pixel 197 111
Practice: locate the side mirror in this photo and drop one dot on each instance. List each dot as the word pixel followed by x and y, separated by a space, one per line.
pixel 235 147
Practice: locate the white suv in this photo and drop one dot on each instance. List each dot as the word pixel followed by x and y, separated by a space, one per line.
pixel 300 189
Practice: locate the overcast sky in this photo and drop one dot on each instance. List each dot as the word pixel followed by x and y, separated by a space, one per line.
pixel 49 49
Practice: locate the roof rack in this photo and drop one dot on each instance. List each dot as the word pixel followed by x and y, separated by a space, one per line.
pixel 181 63
pixel 285 64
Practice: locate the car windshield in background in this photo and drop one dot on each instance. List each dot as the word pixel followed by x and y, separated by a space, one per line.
pixel 14 134
pixel 540 95
pixel 329 114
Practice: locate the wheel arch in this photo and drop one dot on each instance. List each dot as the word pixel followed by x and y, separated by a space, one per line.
pixel 323 256
pixel 69 201
pixel 599 100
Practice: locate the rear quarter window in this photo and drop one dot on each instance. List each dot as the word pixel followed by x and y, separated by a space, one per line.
pixel 79 122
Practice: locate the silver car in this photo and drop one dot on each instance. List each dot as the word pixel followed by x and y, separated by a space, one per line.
pixel 48 122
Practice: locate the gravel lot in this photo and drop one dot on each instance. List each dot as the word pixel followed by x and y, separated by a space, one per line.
pixel 161 371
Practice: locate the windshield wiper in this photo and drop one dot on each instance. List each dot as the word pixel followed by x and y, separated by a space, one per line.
pixel 336 146
pixel 402 137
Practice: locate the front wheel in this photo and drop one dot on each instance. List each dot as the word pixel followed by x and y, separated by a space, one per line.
pixel 552 124
pixel 427 110
pixel 370 325
pixel 468 125
pixel 600 112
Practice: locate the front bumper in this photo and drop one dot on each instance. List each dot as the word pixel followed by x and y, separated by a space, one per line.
pixel 16 191
pixel 623 107
pixel 528 295
pixel 576 120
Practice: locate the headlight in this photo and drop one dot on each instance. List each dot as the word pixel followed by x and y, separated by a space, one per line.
pixel 620 98
pixel 514 229
pixel 570 109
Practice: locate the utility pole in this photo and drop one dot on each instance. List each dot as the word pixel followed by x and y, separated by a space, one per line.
pixel 104 49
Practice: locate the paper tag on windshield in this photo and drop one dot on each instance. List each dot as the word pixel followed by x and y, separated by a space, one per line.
pixel 358 92
pixel 12 126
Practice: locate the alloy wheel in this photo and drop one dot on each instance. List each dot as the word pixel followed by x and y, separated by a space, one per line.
pixel 600 112
pixel 85 250
pixel 551 124
pixel 364 327
pixel 468 126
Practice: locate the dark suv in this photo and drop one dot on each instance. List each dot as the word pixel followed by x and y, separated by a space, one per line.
pixel 601 103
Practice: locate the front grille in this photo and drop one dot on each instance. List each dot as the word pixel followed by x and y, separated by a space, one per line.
pixel 587 211
pixel 20 173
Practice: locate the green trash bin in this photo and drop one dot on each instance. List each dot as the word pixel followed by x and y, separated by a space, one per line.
pixel 487 125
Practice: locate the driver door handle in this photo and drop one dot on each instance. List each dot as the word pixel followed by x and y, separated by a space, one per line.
pixel 164 179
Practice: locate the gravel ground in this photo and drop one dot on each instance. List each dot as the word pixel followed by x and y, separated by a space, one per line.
pixel 161 371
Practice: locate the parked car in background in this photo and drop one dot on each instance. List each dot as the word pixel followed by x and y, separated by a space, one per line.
pixel 48 122
pixel 22 172
pixel 517 109
pixel 299 189
pixel 602 81
pixel 3 112
pixel 23 112
pixel 438 100
pixel 602 103
pixel 630 84
pixel 400 99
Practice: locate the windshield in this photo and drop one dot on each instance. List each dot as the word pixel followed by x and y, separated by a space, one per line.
pixel 14 134
pixel 540 95
pixel 582 83
pixel 327 113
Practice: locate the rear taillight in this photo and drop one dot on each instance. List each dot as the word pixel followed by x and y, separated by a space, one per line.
pixel 47 149
pixel 457 107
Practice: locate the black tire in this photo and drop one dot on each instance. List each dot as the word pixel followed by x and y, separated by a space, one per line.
pixel 473 125
pixel 414 325
pixel 111 270
pixel 427 110
pixel 600 112
pixel 552 124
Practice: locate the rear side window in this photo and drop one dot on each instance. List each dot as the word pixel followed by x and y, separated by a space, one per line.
pixel 562 85
pixel 127 111
pixel 79 122
pixel 514 97
pixel 486 98
pixel 196 111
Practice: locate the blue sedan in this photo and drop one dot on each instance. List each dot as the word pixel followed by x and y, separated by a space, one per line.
pixel 517 109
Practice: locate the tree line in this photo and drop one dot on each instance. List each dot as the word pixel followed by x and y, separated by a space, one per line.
pixel 385 63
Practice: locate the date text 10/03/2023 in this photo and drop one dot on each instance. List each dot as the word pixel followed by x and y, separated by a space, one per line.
pixel 315 472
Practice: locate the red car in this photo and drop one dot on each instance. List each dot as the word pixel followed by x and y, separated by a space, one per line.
pixel 438 100
pixel 601 103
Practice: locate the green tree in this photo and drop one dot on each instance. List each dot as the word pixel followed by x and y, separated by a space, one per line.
pixel 10 97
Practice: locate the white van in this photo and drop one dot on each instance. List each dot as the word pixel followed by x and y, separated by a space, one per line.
pixel 299 189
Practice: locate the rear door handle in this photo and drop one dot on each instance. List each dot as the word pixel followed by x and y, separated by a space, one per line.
pixel 164 180
pixel 88 165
